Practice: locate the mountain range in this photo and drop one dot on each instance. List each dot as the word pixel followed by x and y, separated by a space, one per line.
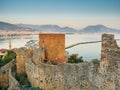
pixel 8 26
pixel 55 28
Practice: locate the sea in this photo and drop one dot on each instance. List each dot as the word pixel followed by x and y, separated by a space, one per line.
pixel 88 51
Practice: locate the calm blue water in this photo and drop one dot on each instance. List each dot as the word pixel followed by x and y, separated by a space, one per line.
pixel 88 51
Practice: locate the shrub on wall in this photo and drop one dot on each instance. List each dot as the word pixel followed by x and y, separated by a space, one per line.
pixel 74 58
pixel 96 62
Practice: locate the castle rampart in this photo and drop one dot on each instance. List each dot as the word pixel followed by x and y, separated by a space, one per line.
pixel 13 83
pixel 4 76
pixel 82 76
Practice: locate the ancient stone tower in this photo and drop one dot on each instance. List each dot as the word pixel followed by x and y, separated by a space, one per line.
pixel 110 53
pixel 108 42
pixel 20 60
pixel 54 45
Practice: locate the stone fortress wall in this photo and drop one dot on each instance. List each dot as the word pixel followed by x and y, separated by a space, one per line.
pixel 61 76
pixel 110 63
pixel 4 74
pixel 13 83
pixel 24 54
pixel 110 53
pixel 82 76
pixel 37 55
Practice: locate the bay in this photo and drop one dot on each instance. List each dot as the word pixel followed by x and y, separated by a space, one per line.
pixel 87 51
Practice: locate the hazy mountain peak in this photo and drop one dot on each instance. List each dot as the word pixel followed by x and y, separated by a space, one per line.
pixel 98 28
pixel 8 26
pixel 3 23
pixel 99 25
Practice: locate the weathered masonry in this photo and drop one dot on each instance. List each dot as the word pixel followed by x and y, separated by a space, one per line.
pixel 54 45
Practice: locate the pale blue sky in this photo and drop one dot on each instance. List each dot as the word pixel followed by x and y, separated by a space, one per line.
pixel 74 13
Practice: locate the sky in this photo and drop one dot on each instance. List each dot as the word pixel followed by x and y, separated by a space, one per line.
pixel 72 13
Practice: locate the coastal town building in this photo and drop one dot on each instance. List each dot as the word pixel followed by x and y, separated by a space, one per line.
pixel 3 53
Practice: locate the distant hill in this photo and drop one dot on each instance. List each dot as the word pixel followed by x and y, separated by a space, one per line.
pixel 56 28
pixel 98 29
pixel 53 28
pixel 8 26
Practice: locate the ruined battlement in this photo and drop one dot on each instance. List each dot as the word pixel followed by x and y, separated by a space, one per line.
pixel 108 42
pixel 59 77
pixel 36 55
pixel 110 54
pixel 82 76
pixel 109 45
